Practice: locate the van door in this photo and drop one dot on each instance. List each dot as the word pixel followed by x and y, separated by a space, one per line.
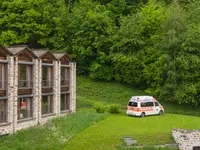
pixel 151 108
pixel 148 108
pixel 157 108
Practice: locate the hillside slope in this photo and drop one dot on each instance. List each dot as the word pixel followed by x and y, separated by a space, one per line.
pixel 90 91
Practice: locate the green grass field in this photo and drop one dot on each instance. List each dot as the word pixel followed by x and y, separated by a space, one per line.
pixel 91 91
pixel 152 130
pixel 84 131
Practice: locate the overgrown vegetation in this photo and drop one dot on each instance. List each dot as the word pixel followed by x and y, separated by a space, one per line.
pixel 51 136
pixel 100 108
pixel 114 108
pixel 149 43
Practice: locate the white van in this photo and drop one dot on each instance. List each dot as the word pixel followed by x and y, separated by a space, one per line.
pixel 144 106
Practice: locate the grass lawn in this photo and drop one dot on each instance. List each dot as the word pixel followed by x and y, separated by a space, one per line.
pixel 107 134
pixel 91 91
pixel 51 136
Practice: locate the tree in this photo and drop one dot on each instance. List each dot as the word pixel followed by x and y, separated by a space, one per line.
pixel 88 34
pixel 133 43
pixel 33 22
pixel 179 63
pixel 174 30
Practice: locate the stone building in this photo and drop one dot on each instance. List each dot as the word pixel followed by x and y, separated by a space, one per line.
pixel 35 86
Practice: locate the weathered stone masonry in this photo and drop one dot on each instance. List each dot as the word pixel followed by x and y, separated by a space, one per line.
pixel 187 139
pixel 34 103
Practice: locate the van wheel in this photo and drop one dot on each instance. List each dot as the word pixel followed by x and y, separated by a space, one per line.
pixel 142 115
pixel 160 112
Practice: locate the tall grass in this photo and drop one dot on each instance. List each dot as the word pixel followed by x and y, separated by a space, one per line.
pixel 51 136
pixel 91 91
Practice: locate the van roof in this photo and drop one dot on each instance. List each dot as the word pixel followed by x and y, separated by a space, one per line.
pixel 142 98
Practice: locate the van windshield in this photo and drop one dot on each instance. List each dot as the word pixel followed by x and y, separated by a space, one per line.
pixel 133 104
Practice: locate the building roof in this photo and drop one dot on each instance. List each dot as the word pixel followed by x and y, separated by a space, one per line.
pixel 41 52
pixel 5 48
pixel 59 55
pixel 17 49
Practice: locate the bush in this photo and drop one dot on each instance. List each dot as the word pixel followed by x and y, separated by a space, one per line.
pixel 100 108
pixel 114 108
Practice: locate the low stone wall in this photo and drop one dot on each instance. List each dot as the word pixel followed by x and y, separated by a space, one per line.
pixel 6 129
pixel 187 139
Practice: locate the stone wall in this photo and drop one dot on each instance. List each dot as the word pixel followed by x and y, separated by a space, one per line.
pixel 186 139
pixel 45 118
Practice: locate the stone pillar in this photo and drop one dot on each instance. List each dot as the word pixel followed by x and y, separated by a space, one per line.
pixel 58 87
pixel 35 90
pixel 15 94
pixel 39 90
pixel 73 87
pixel 55 87
pixel 10 91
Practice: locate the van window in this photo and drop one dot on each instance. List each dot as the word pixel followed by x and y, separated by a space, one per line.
pixel 133 104
pixel 143 105
pixel 147 104
pixel 156 104
pixel 150 104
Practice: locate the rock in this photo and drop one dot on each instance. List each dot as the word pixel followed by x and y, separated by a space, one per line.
pixel 129 141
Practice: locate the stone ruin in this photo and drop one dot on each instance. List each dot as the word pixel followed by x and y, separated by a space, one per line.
pixel 187 139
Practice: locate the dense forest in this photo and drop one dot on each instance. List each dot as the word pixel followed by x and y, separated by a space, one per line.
pixel 154 45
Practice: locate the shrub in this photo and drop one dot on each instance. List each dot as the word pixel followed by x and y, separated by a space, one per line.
pixel 100 108
pixel 114 108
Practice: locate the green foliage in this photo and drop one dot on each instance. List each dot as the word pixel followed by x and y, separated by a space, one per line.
pixel 118 8
pixel 100 108
pixel 88 33
pixel 132 51
pixel 33 22
pixel 151 44
pixel 156 48
pixel 114 108
pixel 178 75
